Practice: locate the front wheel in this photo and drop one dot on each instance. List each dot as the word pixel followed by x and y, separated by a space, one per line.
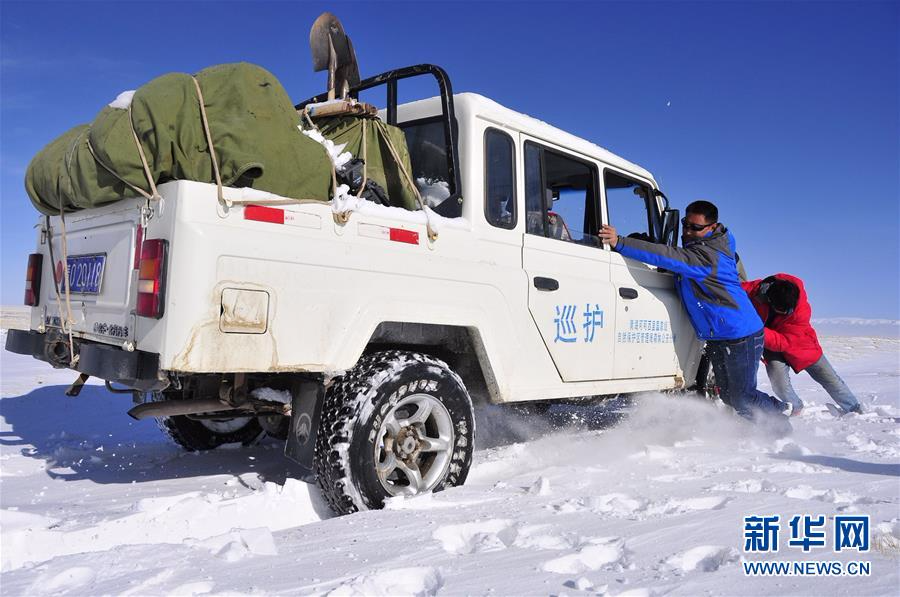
pixel 398 424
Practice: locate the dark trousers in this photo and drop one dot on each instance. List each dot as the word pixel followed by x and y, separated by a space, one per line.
pixel 735 363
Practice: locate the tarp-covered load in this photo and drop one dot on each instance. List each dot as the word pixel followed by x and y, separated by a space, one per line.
pixel 252 122
pixel 255 136
pixel 382 168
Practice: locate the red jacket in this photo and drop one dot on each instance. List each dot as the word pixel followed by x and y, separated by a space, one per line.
pixel 792 335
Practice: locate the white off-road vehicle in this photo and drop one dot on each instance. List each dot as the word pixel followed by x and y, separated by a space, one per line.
pixel 361 333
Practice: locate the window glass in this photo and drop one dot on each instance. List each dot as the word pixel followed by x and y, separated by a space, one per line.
pixel 500 177
pixel 627 204
pixel 428 154
pixel 534 190
pixel 560 196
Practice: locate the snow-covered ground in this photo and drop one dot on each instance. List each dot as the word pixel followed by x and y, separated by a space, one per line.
pixel 642 497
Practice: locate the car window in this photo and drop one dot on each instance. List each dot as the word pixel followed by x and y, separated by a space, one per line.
pixel 560 196
pixel 499 179
pixel 428 155
pixel 627 203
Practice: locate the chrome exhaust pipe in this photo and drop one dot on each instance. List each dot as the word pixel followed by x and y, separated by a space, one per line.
pixel 170 408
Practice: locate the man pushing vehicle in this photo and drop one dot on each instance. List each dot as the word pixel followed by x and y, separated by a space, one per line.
pixel 707 280
pixel 791 343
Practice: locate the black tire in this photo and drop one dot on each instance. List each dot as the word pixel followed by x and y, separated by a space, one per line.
pixel 706 380
pixel 383 389
pixel 206 434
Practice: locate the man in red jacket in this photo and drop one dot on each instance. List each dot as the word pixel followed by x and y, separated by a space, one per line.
pixel 791 342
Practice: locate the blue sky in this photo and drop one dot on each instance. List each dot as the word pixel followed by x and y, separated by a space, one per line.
pixel 786 115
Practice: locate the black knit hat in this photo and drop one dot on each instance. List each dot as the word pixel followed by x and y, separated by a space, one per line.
pixel 782 295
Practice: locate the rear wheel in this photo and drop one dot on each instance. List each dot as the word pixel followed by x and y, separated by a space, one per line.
pixel 195 434
pixel 397 424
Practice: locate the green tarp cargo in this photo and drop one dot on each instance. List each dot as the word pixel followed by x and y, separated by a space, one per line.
pixel 255 135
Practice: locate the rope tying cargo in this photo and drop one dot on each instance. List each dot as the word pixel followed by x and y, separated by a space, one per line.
pixel 154 193
pixel 65 320
pixel 334 184
pixel 339 217
pixel 133 187
pixel 407 178
pixel 209 143
pixel 365 176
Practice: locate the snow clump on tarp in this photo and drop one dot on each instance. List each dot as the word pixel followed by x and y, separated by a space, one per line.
pixel 123 100
pixel 336 153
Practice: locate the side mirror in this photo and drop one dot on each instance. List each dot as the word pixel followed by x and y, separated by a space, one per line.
pixel 670 223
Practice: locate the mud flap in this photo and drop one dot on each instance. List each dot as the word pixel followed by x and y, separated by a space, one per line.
pixel 307 397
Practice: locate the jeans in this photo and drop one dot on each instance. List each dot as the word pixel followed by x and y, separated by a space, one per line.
pixel 821 371
pixel 735 364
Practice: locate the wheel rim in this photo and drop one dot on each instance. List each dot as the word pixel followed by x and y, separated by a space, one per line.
pixel 224 426
pixel 415 445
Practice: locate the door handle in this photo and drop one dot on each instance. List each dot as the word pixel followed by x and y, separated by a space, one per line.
pixel 546 284
pixel 628 293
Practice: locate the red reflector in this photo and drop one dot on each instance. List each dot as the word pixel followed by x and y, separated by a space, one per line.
pixel 138 239
pixel 33 279
pixel 147 305
pixel 405 236
pixel 151 278
pixel 264 214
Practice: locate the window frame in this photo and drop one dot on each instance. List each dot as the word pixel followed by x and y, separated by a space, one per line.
pixel 654 223
pixel 514 200
pixel 585 161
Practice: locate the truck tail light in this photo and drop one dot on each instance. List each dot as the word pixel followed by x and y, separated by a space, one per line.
pixel 33 279
pixel 152 278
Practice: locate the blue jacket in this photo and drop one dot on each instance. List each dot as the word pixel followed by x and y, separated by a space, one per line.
pixel 706 276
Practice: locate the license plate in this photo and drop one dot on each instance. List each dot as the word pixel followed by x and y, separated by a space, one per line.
pixel 85 273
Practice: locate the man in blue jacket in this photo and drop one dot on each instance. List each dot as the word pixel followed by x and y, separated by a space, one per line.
pixel 707 279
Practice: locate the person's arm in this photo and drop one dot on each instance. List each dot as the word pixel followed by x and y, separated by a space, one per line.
pixel 775 341
pixel 687 262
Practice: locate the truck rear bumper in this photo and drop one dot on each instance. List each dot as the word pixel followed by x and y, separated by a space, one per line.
pixel 137 369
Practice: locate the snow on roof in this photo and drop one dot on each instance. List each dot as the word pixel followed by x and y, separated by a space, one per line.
pixel 478 105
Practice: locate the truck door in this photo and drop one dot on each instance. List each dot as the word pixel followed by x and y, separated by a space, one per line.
pixel 647 305
pixel 570 296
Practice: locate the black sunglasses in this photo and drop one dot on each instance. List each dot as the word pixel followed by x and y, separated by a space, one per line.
pixel 694 227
